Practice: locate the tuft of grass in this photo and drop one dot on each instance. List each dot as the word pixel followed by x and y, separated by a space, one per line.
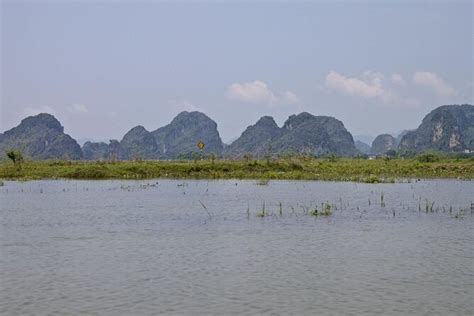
pixel 326 210
pixel 263 182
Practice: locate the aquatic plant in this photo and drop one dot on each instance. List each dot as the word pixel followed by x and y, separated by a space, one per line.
pixel 325 210
pixel 205 208
pixel 262 213
pixel 429 206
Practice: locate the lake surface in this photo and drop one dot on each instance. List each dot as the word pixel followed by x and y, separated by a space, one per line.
pixel 197 247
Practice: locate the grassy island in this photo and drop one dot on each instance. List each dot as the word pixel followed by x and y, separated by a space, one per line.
pixel 337 169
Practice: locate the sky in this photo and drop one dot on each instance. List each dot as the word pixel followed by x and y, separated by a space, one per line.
pixel 104 67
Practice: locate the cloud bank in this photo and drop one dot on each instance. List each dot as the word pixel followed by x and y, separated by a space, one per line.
pixel 370 86
pixel 434 82
pixel 258 92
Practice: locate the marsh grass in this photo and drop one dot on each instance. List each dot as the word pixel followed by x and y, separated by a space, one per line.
pixel 342 169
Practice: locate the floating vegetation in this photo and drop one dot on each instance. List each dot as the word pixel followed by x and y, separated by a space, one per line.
pixel 263 182
pixel 325 210
pixel 460 214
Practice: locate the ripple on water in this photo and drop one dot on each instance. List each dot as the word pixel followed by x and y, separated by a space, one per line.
pixel 126 247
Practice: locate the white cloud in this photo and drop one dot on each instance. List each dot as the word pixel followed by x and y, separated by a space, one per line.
pixel 189 106
pixel 77 108
pixel 433 81
pixel 369 87
pixel 31 111
pixel 397 79
pixel 253 92
pixel 258 92
pixel 184 105
pixel 290 97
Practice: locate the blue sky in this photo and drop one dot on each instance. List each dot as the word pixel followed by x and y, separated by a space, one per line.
pixel 104 67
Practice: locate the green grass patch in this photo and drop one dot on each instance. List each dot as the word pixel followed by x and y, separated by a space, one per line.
pixel 359 170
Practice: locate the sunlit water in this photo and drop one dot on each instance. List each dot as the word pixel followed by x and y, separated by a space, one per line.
pixel 197 247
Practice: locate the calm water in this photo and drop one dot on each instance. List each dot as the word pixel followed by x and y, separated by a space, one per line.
pixel 189 247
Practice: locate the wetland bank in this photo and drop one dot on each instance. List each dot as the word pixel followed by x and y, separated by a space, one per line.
pixel 200 247
pixel 293 168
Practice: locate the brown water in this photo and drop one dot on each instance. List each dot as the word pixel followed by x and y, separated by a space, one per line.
pixel 189 247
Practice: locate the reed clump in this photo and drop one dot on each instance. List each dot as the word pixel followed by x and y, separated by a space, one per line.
pixel 326 210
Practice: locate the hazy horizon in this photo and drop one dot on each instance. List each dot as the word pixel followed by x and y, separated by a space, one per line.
pixel 103 68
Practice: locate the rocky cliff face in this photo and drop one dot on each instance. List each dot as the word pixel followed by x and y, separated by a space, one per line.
pixel 96 151
pixel 139 143
pixel 183 134
pixel 383 143
pixel 255 140
pixel 362 147
pixel 448 128
pixel 40 137
pixel 301 134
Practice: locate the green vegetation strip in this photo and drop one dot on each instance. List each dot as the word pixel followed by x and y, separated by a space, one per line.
pixel 359 170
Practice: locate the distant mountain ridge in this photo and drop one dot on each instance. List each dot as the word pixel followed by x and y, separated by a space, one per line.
pixel 301 134
pixel 180 137
pixel 447 128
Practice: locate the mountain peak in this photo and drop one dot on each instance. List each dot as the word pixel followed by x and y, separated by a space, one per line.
pixel 446 128
pixel 42 119
pixel 41 137
pixel 266 121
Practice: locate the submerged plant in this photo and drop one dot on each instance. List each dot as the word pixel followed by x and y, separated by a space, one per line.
pixel 325 210
pixel 262 213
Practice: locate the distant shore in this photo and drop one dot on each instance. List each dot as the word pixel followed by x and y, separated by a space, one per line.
pixel 358 170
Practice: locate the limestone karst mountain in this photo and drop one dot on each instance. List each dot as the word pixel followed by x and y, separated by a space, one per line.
pixel 185 131
pixel 301 134
pixel 383 143
pixel 40 137
pixel 447 128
